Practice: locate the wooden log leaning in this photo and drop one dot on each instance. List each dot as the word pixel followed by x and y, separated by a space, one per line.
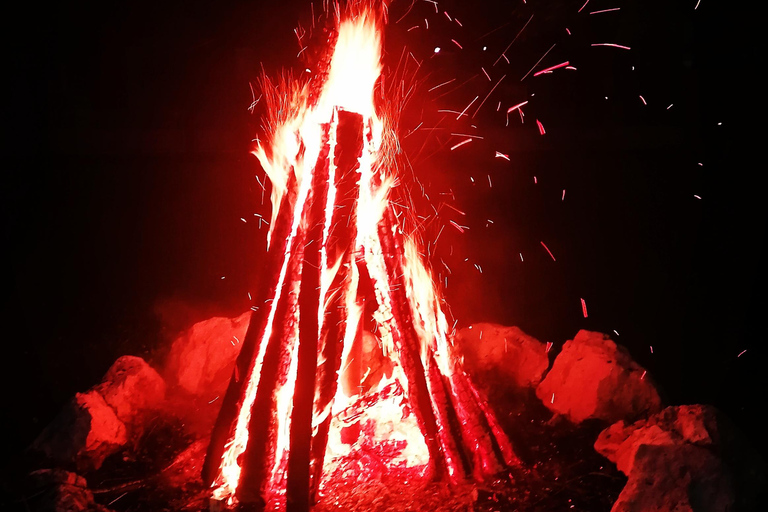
pixel 223 429
pixel 339 248
pixel 407 342
pixel 299 455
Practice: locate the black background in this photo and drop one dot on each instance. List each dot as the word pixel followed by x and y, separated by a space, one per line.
pixel 127 172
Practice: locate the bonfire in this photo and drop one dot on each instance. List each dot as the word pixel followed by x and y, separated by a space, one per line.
pixel 339 252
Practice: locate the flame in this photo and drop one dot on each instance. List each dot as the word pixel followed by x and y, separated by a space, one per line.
pixel 296 129
pixel 355 67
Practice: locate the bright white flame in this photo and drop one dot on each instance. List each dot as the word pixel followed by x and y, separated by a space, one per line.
pixel 355 66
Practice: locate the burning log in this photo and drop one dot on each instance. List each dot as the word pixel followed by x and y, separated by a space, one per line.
pixel 309 328
pixel 406 341
pixel 225 423
pixel 339 247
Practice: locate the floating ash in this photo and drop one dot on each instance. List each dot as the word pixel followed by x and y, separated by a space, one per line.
pixel 339 258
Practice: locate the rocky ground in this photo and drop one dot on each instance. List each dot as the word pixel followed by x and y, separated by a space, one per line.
pixel 588 427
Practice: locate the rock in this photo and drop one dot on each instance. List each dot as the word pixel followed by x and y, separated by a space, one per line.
pixel 56 490
pixel 518 358
pixel 676 478
pixel 133 389
pixel 702 458
pixel 201 359
pixel 686 424
pixel 594 378
pixel 85 432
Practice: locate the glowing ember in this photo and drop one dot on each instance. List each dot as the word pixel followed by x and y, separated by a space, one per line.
pixel 311 385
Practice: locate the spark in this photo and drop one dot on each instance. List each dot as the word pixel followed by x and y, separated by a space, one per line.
pixel 511 109
pixel 260 183
pixel 486 74
pixel 617 332
pixel 254 100
pixel 612 45
pixel 458 227
pixel 467 135
pixel 457 44
pixel 513 40
pixel 697 5
pixel 643 100
pixel 406 13
pixel 455 209
pixel 550 252
pixel 490 184
pixel 549 346
pixel 670 106
pixel 442 84
pixel 447 16
pixel 538 61
pixel 461 144
pixel 541 127
pixel 741 353
pixel 438 234
pixel 563 198
pixel 584 307
pixel 583 6
pixel 502 155
pixel 696 196
pixel 487 95
pixel 605 10
pixel 467 108
pixel 114 500
pixel 552 68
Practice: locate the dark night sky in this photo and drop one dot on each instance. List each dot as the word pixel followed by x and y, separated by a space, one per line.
pixel 127 173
